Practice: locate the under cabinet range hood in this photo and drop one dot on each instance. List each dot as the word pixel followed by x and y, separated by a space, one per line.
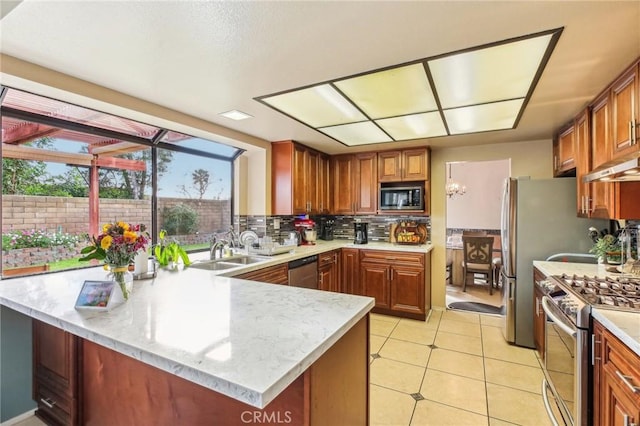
pixel 622 171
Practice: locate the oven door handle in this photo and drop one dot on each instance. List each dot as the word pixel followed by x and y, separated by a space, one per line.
pixel 547 405
pixel 571 331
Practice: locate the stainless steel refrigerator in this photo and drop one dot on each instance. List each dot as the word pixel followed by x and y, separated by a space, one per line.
pixel 539 218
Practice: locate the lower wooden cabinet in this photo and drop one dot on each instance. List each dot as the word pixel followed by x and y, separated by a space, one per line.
pixel 278 274
pixel 350 271
pixel 329 271
pixel 399 281
pixel 56 375
pixel 616 380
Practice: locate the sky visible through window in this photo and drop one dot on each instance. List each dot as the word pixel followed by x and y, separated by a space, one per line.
pixel 180 171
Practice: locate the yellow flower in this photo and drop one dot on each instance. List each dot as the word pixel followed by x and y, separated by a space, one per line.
pixel 106 227
pixel 130 236
pixel 106 242
pixel 123 225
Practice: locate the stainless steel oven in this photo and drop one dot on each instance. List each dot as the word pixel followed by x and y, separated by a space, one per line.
pixel 566 368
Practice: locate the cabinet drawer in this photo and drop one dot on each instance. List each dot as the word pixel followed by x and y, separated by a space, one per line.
pixel 327 258
pixel 54 407
pixel 278 274
pixel 397 257
pixel 622 363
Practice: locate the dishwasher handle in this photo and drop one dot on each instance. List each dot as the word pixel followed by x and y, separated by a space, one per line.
pixel 301 262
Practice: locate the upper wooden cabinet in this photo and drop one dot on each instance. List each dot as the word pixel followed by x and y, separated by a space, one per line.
pixel 600 131
pixel 355 186
pixel 564 150
pixel 406 165
pixel 625 118
pixel 582 142
pixel 300 179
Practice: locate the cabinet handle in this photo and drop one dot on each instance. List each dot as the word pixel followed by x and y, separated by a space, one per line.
pixel 555 162
pixel 49 403
pixel 537 307
pixel 627 381
pixel 589 208
pixel 635 132
pixel 631 132
pixel 582 208
pixel 625 419
pixel 594 358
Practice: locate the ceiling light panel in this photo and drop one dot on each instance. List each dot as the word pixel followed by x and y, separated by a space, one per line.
pixel 505 71
pixel 234 114
pixel 397 91
pixel 316 106
pixel 415 126
pixel 483 118
pixel 357 133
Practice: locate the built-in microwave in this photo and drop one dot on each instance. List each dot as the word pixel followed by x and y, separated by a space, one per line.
pixel 401 198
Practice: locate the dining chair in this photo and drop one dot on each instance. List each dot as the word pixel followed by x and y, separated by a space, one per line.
pixel 478 259
pixel 475 233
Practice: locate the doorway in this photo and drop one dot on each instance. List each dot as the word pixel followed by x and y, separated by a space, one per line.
pixel 474 207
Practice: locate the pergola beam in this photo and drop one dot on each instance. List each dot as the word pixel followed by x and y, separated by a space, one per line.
pixel 26 133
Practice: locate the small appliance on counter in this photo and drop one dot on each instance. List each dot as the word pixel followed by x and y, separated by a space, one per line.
pixel 306 229
pixel 326 228
pixel 360 231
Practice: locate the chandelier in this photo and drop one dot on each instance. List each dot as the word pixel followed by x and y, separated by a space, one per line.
pixel 454 188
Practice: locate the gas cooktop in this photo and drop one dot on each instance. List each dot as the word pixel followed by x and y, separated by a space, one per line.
pixel 616 293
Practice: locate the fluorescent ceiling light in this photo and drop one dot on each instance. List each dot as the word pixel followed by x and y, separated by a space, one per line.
pixel 390 93
pixel 480 89
pixel 234 114
pixel 316 106
pixel 483 118
pixel 416 126
pixel 357 133
pixel 501 72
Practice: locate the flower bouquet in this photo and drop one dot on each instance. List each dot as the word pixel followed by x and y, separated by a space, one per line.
pixel 117 246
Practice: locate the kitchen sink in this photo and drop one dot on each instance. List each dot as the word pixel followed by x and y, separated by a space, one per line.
pixel 227 262
pixel 243 260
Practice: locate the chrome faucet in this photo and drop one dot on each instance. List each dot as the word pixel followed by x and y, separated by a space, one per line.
pixel 234 241
pixel 217 247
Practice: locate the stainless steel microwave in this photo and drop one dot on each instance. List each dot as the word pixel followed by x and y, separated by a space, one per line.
pixel 401 198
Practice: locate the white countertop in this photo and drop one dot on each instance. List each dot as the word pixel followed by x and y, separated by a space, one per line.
pixel 244 339
pixel 624 325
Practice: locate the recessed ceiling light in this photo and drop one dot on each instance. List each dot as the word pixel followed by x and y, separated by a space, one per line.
pixel 234 114
pixel 479 89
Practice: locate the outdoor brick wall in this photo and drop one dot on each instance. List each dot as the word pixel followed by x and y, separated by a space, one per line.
pixel 37 256
pixel 66 214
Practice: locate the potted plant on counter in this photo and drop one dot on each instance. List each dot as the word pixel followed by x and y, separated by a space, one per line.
pixel 169 253
pixel 607 249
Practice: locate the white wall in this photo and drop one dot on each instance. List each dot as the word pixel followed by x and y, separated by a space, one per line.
pixel 479 207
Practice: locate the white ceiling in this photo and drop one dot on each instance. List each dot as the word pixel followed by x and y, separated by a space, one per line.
pixel 204 58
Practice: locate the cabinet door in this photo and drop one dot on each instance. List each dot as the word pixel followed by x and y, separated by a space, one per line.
pixel 618 407
pixel 313 182
pixel 564 151
pixel 349 272
pixel 278 274
pixel 55 374
pixel 367 183
pixel 583 163
pixel 374 282
pixel 407 289
pixel 299 177
pixel 324 184
pixel 415 164
pixel 600 131
pixel 344 184
pixel 624 113
pixel 602 200
pixel 390 166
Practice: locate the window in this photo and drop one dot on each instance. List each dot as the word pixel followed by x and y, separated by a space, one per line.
pixel 58 159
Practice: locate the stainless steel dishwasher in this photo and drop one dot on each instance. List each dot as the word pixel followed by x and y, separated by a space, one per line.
pixel 304 272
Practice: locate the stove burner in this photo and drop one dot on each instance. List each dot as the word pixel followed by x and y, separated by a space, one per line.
pixel 623 292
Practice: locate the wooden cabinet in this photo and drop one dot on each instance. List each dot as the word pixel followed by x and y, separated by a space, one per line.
pixel 564 151
pixel 617 390
pixel 397 280
pixel 329 271
pixel 600 131
pixel 355 187
pixel 625 118
pixel 582 140
pixel 349 271
pixel 407 165
pixel 56 388
pixel 324 184
pixel 300 180
pixel 539 317
pixel 277 274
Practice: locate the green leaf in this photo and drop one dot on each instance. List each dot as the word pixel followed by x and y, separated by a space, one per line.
pixel 88 249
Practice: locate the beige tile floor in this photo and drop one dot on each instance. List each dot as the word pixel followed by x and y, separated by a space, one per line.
pixel 453 369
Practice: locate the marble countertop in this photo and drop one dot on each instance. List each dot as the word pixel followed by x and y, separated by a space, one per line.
pixel 623 324
pixel 244 339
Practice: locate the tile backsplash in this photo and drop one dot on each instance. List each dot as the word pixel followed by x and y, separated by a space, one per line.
pixel 343 227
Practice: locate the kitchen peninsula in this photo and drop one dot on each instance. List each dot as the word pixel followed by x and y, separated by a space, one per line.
pixel 193 348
